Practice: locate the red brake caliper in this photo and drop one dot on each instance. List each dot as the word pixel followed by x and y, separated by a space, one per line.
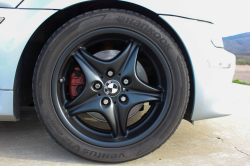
pixel 77 82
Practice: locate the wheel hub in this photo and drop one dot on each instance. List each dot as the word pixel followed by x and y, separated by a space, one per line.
pixel 107 55
pixel 112 88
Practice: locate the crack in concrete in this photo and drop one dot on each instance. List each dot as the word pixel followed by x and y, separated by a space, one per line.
pixel 221 141
pixel 241 151
pixel 224 142
pixel 233 147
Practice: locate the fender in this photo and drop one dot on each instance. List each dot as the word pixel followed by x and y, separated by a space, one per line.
pixel 15 32
pixel 42 10
pixel 211 89
pixel 20 25
pixel 176 7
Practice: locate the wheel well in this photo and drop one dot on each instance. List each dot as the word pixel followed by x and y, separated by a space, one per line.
pixel 24 74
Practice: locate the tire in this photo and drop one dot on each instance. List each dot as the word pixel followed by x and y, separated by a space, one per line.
pixel 163 93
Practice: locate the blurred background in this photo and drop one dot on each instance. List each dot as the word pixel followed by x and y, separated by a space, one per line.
pixel 240 46
pixel 232 19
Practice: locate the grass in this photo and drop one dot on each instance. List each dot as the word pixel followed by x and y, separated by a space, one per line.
pixel 240 82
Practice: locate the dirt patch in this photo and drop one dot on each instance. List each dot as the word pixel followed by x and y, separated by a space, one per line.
pixel 242 73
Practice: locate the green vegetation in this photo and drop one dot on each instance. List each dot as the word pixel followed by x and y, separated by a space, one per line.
pixel 243 59
pixel 240 82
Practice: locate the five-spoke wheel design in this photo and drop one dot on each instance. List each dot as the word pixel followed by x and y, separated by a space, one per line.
pixel 111 86
pixel 90 101
pixel 116 86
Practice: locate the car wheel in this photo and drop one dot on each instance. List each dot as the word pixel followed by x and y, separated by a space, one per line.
pixel 110 86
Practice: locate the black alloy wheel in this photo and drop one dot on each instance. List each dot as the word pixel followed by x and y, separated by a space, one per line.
pixel 108 90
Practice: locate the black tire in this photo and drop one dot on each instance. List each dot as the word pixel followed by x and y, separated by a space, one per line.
pixel 174 83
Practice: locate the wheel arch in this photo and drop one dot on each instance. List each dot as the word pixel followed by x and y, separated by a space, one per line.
pixel 27 61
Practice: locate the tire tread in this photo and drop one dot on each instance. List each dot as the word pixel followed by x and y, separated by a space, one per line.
pixel 49 42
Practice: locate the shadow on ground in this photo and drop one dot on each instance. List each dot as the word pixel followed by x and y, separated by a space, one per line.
pixel 28 140
pixel 220 141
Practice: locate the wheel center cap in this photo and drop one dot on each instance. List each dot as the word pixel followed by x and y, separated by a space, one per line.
pixel 112 88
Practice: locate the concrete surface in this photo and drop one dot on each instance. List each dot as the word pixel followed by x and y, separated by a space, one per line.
pixel 220 141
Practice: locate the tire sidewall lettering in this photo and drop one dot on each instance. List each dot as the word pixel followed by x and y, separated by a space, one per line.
pixel 145 27
pixel 51 120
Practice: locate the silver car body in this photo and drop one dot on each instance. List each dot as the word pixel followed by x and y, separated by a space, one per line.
pixel 212 66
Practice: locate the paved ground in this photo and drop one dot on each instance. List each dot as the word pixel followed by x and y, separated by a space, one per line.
pixel 220 141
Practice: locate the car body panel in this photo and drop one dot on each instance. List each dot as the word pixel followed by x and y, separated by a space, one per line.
pixel 176 7
pixel 6 106
pixel 210 87
pixel 20 25
pixel 9 3
pixel 212 80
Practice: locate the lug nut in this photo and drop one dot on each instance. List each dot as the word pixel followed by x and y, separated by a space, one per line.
pixel 105 101
pixel 123 98
pixel 97 86
pixel 110 73
pixel 126 81
pixel 61 79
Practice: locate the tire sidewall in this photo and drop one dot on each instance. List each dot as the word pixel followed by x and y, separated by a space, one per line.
pixel 84 24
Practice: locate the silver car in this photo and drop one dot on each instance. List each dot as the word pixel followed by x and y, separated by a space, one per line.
pixel 111 80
